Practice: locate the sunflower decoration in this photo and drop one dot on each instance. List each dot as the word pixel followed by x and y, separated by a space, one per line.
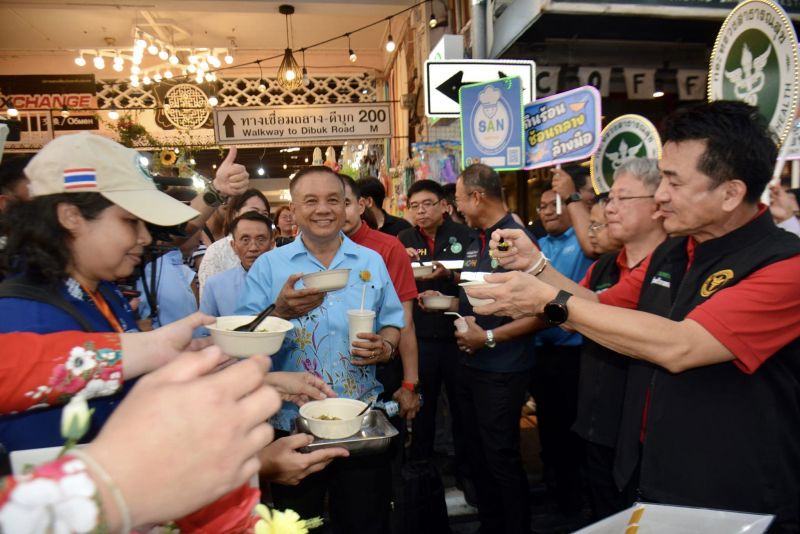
pixel 168 158
pixel 365 276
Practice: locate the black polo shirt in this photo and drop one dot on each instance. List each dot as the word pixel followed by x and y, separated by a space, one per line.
pixel 509 356
pixel 393 225
pixel 450 243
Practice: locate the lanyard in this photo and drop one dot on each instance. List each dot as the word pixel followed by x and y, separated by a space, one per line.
pixel 103 307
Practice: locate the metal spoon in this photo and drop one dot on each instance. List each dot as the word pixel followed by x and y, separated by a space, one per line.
pixel 367 407
pixel 252 325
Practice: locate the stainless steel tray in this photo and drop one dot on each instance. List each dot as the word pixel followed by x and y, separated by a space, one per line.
pixel 375 435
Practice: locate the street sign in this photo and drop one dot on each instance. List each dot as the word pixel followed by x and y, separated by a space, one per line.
pixel 329 122
pixel 491 124
pixel 443 79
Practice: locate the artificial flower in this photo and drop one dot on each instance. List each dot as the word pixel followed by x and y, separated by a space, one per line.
pixel 75 419
pixel 286 522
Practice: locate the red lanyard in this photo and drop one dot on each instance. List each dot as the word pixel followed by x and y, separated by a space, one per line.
pixel 103 307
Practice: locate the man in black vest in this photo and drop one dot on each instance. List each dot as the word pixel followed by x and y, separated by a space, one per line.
pixel 712 406
pixel 631 214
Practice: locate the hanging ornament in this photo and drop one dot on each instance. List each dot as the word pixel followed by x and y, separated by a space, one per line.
pixel 317 157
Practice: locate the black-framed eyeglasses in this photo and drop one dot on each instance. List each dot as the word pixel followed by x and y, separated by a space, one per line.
pixel 427 204
pixel 615 200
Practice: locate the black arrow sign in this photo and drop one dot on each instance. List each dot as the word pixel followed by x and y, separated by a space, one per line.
pixel 451 86
pixel 229 123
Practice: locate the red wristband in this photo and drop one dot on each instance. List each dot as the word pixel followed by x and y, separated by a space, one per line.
pixel 413 387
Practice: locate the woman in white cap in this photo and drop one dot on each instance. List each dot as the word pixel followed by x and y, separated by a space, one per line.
pixel 83 228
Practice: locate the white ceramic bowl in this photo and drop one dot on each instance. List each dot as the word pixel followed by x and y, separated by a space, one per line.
pixel 244 344
pixel 422 270
pixel 437 302
pixel 478 283
pixel 331 280
pixel 345 409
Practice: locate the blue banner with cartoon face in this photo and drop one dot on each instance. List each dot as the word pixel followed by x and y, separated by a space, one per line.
pixel 562 128
pixel 491 124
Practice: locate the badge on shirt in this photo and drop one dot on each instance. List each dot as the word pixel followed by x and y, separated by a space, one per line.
pixel 455 246
pixel 715 282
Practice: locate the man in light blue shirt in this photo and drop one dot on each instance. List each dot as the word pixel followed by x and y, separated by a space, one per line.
pixel 252 237
pixel 169 289
pixel 358 488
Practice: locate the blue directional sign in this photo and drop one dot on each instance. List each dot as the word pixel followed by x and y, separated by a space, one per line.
pixel 491 124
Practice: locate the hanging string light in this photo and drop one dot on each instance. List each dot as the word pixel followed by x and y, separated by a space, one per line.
pixel 306 80
pixel 390 46
pixel 353 56
pixel 289 71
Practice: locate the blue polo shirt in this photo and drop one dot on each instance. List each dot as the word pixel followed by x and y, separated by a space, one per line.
pixel 566 255
pixel 42 427
pixel 319 342
pixel 509 356
pixel 173 289
pixel 221 293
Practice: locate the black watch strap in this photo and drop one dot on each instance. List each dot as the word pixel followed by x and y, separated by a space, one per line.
pixel 574 197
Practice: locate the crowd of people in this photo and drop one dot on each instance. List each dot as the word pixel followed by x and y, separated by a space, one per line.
pixel 653 328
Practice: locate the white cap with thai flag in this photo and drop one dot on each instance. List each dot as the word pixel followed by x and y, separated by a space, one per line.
pixel 88 163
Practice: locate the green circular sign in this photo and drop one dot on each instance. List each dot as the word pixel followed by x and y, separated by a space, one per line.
pixel 628 136
pixel 755 61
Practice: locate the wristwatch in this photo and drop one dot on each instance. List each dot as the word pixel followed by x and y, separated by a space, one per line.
pixel 555 311
pixel 574 197
pixel 212 197
pixel 490 342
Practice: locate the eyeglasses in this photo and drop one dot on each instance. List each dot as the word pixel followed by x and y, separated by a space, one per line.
pixel 544 207
pixel 609 200
pixel 427 204
pixel 596 227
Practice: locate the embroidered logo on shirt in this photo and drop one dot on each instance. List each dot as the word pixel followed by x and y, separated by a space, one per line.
pixel 657 280
pixel 714 282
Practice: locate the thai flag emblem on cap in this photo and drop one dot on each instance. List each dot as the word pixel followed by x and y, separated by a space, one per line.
pixel 80 179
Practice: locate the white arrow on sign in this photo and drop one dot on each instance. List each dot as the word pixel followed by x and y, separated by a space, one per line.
pixel 443 79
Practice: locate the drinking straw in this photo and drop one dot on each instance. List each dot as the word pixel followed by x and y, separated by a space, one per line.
pixel 363 296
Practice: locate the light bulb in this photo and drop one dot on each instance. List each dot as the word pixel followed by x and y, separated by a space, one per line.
pixel 143 161
pixel 80 61
pixel 433 22
pixel 168 74
pixel 212 100
pixel 262 85
pixel 285 166
pixel 99 62
pixel 290 75
pixel 203 65
pixel 191 69
pixel 163 55
pixel 199 78
pixel 260 171
pixel 146 80
pixel 209 77
pixel 118 67
pixel 64 112
pixel 192 161
pixel 177 151
pixel 173 59
pixel 306 159
pixel 192 58
pixel 658 93
pixel 390 46
pixel 166 106
pixel 136 60
pixel 306 80
pixel 157 77
pixel 139 43
pixel 152 49
pixel 353 56
pixel 113 114
pixel 134 82
pixel 228 58
pixel 214 61
pixel 12 111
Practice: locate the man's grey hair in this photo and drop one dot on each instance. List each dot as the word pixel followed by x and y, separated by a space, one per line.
pixel 643 169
